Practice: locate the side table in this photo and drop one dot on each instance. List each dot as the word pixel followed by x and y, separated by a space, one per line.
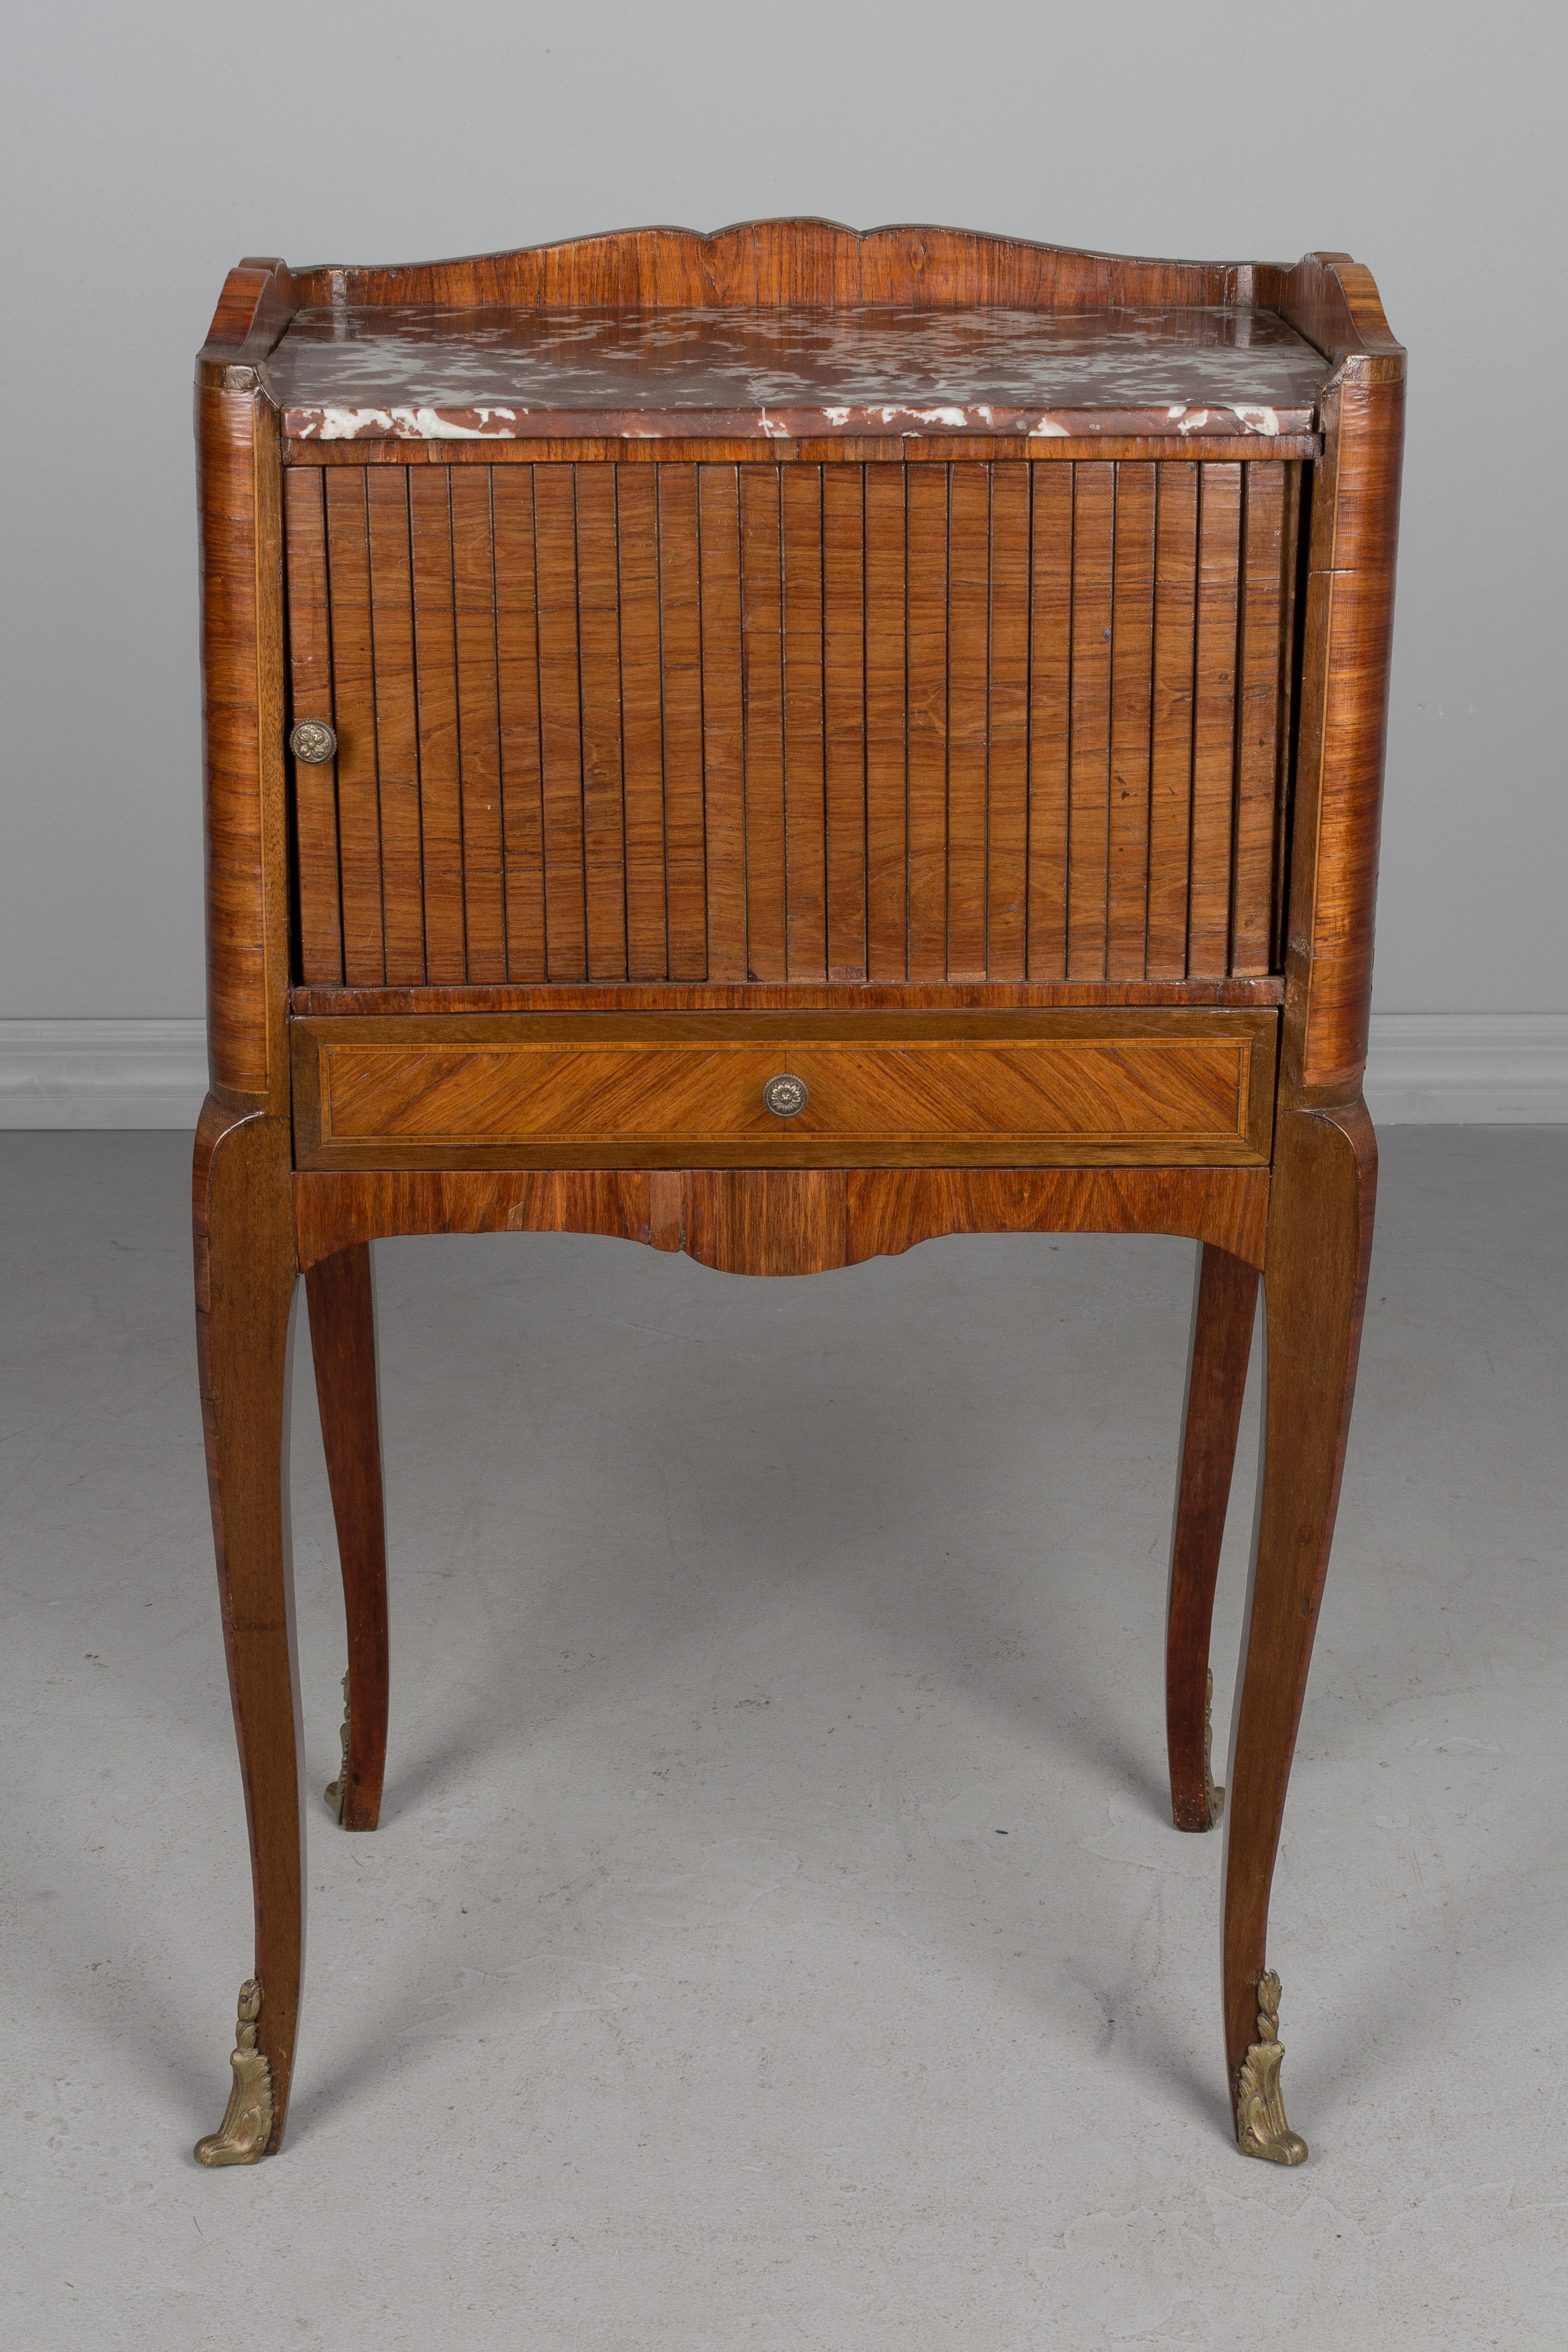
pixel 781 745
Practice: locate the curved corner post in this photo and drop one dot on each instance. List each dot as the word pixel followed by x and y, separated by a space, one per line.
pixel 339 1290
pixel 1225 1305
pixel 244 1268
pixel 1314 1285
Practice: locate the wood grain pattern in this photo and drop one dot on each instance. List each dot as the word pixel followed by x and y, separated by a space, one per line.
pixel 340 1293
pixel 440 768
pixel 586 1089
pixel 517 691
pixel 353 703
pixel 844 687
pixel 398 760
pixel 245 1280
pixel 823 996
pixel 479 724
pixel 681 629
pixel 311 697
pixel 886 1211
pixel 967 723
pixel 1225 1305
pixel 1314 1281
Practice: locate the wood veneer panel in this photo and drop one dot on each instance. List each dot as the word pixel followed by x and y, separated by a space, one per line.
pixel 560 721
pixel 680 591
pixel 843 717
pixel 887 726
pixel 1213 717
pixel 1089 816
pixel 805 815
pixel 599 660
pixel 1050 719
pixel 353 697
pixel 398 730
pixel 642 730
pixel 440 774
pixel 762 645
pixel 1171 729
pixel 479 725
pixel 310 682
pixel 886 1088
pixel 866 1212
pixel 1258 719
pixel 968 716
pixel 926 543
pixel 1132 679
pixel 723 733
pixel 517 688
pixel 734 996
pixel 892 1210
pixel 1007 725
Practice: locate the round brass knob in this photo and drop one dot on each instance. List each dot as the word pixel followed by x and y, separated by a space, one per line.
pixel 785 1095
pixel 313 740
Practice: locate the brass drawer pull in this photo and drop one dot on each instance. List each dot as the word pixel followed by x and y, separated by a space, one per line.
pixel 785 1095
pixel 313 741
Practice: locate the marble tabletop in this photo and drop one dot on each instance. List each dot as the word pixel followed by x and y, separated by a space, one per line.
pixel 434 374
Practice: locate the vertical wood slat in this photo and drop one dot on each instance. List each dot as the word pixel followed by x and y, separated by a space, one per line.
pixel 1088 804
pixel 560 721
pixel 1256 719
pixel 1171 721
pixel 599 675
pixel 353 703
pixel 478 721
pixel 762 669
pixel 1007 724
pixel 396 726
pixel 926 540
pixel 436 669
pixel 1131 683
pixel 723 731
pixel 1213 717
pixel 844 715
pixel 681 659
pixel 642 743
pixel 968 716
pixel 962 720
pixel 517 691
pixel 1050 717
pixel 887 725
pixel 311 683
pixel 805 815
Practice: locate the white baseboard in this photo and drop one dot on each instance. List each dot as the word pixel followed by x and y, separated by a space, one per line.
pixel 102 1073
pixel 1425 1067
pixel 1467 1068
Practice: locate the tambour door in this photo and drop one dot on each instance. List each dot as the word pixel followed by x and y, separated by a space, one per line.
pixel 649 720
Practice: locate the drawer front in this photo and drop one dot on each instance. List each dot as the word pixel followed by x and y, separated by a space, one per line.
pixel 649 1090
pixel 791 722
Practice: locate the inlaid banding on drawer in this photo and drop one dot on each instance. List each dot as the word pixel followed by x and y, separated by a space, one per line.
pixel 1032 1089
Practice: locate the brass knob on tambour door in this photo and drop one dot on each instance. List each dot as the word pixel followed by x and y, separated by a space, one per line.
pixel 785 1095
pixel 313 740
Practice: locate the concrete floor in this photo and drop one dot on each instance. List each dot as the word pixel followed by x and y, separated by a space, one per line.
pixel 775 1936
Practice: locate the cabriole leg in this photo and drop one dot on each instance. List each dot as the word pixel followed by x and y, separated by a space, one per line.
pixel 1223 1306
pixel 245 1270
pixel 1314 1285
pixel 341 1300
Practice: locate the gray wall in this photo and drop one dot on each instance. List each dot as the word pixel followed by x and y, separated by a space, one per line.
pixel 150 146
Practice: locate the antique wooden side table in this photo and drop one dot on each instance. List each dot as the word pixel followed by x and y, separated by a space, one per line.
pixel 781 745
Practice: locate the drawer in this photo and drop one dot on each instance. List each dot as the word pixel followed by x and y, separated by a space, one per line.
pixel 868 1089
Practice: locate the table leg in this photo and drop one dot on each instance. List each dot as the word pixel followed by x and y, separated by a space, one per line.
pixel 1314 1287
pixel 244 1265
pixel 341 1300
pixel 1224 1308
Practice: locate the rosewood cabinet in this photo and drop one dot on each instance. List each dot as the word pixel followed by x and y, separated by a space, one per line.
pixel 781 745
